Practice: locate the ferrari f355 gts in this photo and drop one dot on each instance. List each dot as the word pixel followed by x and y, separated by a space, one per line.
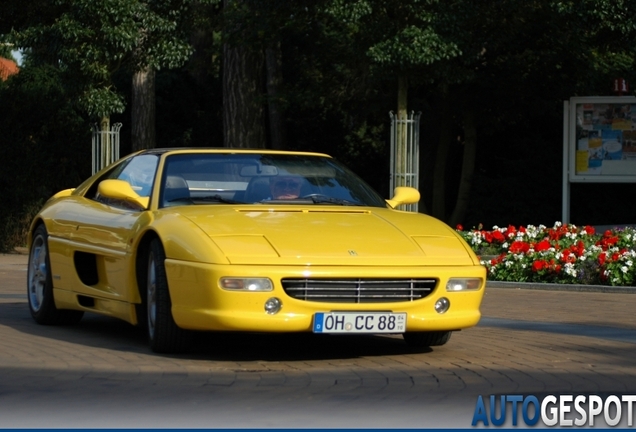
pixel 185 240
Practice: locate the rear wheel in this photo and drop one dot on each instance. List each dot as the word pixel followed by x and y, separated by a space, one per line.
pixel 163 333
pixel 426 339
pixel 40 285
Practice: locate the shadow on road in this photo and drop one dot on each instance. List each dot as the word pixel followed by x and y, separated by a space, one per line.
pixel 110 333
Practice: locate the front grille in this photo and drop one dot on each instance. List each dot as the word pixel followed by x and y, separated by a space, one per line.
pixel 358 290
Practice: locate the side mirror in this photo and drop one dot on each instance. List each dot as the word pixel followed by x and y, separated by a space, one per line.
pixel 404 195
pixel 122 191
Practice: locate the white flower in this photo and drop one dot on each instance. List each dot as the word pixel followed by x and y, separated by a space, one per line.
pixel 624 269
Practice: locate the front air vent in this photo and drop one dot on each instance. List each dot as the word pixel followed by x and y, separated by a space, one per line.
pixel 87 302
pixel 358 290
pixel 86 267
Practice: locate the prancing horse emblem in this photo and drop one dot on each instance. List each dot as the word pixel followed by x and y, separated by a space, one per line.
pixel 352 252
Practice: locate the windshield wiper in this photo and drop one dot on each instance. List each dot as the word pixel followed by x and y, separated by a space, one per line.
pixel 216 198
pixel 324 199
pixel 210 198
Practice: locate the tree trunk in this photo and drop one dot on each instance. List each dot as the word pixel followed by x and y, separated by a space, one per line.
pixel 441 158
pixel 468 168
pixel 200 38
pixel 143 110
pixel 243 98
pixel 273 60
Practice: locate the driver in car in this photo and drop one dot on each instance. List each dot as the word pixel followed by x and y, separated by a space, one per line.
pixel 285 187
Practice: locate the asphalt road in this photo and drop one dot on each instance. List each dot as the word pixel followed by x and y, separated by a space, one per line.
pixel 100 373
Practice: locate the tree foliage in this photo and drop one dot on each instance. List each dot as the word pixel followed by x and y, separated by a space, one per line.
pixel 489 77
pixel 91 40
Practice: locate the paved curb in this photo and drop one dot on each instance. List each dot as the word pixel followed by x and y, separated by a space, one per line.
pixel 561 287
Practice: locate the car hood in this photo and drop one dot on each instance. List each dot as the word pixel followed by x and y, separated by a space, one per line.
pixel 293 235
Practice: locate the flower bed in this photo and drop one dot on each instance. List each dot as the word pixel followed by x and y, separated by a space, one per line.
pixel 564 254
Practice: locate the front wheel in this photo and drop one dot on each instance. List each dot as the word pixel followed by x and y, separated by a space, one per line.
pixel 40 285
pixel 163 333
pixel 426 339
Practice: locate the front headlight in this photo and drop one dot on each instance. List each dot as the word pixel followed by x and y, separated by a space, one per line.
pixel 463 284
pixel 246 284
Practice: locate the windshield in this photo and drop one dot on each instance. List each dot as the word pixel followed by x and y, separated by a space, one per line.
pixel 218 178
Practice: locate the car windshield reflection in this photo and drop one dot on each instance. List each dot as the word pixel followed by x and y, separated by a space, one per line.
pixel 191 179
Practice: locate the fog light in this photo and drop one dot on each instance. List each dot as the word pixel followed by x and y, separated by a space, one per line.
pixel 442 305
pixel 273 305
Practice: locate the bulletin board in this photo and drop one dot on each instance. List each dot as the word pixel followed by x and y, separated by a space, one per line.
pixel 599 142
pixel 602 139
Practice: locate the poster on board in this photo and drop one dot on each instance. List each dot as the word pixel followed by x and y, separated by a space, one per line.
pixel 605 139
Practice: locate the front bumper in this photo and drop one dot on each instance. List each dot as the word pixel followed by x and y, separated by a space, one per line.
pixel 198 302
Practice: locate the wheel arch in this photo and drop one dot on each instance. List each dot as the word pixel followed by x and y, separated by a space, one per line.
pixel 141 262
pixel 34 225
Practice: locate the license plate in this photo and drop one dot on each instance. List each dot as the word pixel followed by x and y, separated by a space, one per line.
pixel 359 322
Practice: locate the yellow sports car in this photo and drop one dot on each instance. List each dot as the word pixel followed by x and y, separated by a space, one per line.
pixel 183 240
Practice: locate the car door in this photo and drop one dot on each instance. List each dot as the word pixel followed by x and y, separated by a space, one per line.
pixel 104 232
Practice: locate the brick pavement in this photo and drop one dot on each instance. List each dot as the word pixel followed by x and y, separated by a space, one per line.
pixel 100 373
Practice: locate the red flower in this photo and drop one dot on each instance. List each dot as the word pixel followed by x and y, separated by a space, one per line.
pixel 519 247
pixel 497 235
pixel 543 245
pixel 607 241
pixel 511 231
pixel 539 265
pixel 459 227
pixel 589 229
pixel 578 249
pixel 601 258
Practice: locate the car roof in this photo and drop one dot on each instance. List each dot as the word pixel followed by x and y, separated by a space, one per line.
pixel 226 150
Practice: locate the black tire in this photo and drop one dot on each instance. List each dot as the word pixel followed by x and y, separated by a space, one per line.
pixel 426 339
pixel 164 335
pixel 40 285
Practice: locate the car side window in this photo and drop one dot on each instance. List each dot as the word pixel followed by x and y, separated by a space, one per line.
pixel 140 173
